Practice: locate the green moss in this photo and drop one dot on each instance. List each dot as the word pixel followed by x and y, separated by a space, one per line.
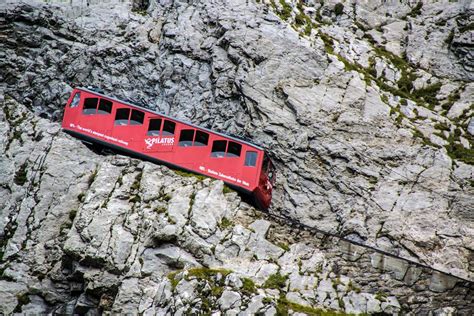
pixel 450 38
pixel 453 97
pixel 307 29
pixel 248 286
pixel 173 280
pixel 351 288
pixel 336 282
pixel 217 290
pixel 140 12
pixel 190 174
pixel 373 180
pixel 165 197
pixel 328 42
pixel 160 209
pixel 458 152
pixel 284 246
pixel 284 306
pixel 225 223
pixel 300 19
pixel 23 299
pixel 276 281
pixel 428 94
pixel 339 9
pixel 285 11
pixel 416 10
pixel 65 227
pixel 467 28
pixel 424 139
pixel 381 296
pixel 206 273
pixel 226 189
pixel 136 183
pixel 442 126
pixel 21 174
pixel 92 177
pixel 72 214
pixel 135 198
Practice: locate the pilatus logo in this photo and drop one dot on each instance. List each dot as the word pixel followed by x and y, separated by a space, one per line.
pixel 158 140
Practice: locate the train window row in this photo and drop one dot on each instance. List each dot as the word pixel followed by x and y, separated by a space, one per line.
pixel 191 137
pixel 223 148
pixel 96 106
pixel 154 128
pixel 157 127
pixel 127 117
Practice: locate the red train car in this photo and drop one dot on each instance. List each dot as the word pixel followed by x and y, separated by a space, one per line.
pixel 103 120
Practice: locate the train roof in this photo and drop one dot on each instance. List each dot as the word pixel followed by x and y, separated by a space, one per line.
pixel 172 118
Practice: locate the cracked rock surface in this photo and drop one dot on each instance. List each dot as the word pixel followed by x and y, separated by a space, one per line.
pixel 372 138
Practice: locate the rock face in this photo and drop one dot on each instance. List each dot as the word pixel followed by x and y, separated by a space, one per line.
pixel 371 135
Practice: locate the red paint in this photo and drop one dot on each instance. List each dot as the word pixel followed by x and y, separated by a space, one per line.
pixel 92 121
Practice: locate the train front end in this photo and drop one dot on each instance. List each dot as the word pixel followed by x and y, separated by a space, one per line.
pixel 263 193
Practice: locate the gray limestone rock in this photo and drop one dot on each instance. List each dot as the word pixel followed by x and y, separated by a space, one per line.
pixel 83 231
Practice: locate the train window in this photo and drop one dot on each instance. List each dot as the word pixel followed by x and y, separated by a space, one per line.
pixel 90 106
pixel 201 139
pixel 75 100
pixel 105 107
pixel 234 149
pixel 121 118
pixel 168 128
pixel 137 117
pixel 186 137
pixel 154 127
pixel 250 158
pixel 218 148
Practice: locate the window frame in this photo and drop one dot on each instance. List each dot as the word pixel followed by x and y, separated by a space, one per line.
pixel 105 112
pixel 154 132
pixel 200 144
pixel 86 106
pixel 189 134
pixel 217 154
pixel 141 117
pixel 171 123
pixel 230 154
pixel 121 123
pixel 248 159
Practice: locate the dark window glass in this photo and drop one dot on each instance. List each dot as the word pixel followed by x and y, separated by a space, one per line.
pixel 154 127
pixel 137 117
pixel 75 100
pixel 168 128
pixel 105 107
pixel 90 106
pixel 250 159
pixel 234 149
pixel 121 118
pixel 218 148
pixel 186 137
pixel 201 139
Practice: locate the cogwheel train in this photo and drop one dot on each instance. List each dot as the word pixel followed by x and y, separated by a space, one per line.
pixel 100 119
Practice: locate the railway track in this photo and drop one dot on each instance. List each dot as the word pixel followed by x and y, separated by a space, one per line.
pixel 287 221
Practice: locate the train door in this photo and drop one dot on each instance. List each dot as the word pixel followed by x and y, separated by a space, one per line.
pixel 266 182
